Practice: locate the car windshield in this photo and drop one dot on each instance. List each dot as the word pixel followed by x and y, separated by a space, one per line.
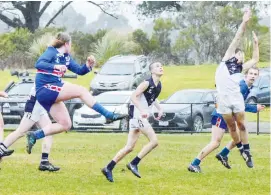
pixel 185 97
pixel 117 69
pixel 22 89
pixel 112 98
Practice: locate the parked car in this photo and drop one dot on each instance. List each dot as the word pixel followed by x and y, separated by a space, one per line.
pixel 118 101
pixel 13 106
pixel 177 110
pixel 120 73
pixel 260 93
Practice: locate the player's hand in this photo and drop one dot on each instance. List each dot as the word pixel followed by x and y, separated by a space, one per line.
pixel 144 114
pixel 61 68
pixel 160 114
pixel 260 107
pixel 247 15
pixel 4 94
pixel 255 38
pixel 90 61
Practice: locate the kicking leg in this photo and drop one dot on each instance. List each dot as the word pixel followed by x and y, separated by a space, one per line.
pixel 132 139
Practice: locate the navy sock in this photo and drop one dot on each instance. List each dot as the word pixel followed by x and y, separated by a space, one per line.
pixel 39 134
pixel 224 152
pixel 240 147
pixel 44 157
pixel 196 162
pixel 111 165
pixel 246 147
pixel 99 108
pixel 135 161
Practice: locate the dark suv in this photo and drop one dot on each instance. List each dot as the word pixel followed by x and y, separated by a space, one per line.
pixel 120 73
pixel 18 92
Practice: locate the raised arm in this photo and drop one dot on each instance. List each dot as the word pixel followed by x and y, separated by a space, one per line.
pixel 255 56
pixel 82 70
pixel 236 41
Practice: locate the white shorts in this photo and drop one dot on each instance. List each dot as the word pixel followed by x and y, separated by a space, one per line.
pixel 34 111
pixel 139 123
pixel 230 103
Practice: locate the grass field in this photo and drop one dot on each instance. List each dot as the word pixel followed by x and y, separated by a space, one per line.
pixel 164 171
pixel 175 78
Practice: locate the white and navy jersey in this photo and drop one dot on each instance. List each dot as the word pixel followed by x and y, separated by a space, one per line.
pixel 228 76
pixel 146 99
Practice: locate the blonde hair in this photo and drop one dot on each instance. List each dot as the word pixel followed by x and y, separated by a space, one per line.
pixel 61 39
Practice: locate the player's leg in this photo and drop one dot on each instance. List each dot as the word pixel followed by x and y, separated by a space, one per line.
pixel 70 91
pixel 60 114
pixel 1 128
pixel 240 120
pixel 132 139
pixel 217 135
pixel 148 131
pixel 45 165
pixel 21 130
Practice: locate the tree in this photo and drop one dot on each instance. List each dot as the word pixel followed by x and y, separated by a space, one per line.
pixel 141 38
pixel 27 14
pixel 114 43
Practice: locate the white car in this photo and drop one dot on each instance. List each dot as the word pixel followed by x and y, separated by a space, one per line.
pixel 118 101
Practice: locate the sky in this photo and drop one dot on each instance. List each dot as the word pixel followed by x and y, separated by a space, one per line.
pixel 92 12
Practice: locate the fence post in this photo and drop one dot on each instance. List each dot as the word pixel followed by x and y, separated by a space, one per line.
pixel 258 123
pixel 191 115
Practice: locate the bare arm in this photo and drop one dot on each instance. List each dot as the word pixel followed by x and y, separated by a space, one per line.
pixel 3 94
pixel 157 105
pixel 255 57
pixel 236 41
pixel 139 90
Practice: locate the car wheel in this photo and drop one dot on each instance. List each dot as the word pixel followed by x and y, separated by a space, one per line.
pixel 252 100
pixel 124 124
pixel 197 124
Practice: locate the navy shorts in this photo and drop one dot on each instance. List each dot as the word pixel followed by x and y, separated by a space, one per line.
pixel 48 94
pixel 219 122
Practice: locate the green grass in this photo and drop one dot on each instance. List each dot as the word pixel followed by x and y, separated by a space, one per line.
pixel 164 171
pixel 175 78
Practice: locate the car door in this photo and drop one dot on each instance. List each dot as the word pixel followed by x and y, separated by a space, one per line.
pixel 264 90
pixel 208 107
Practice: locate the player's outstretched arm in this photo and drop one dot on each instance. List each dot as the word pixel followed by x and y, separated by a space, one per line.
pixel 238 36
pixel 256 54
pixel 139 90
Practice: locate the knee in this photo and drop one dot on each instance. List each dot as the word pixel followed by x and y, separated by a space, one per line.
pixel 154 143
pixel 129 149
pixel 241 126
pixel 66 124
pixel 83 91
pixel 215 144
pixel 232 127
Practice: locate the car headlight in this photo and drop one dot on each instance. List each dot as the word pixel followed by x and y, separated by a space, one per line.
pixel 123 84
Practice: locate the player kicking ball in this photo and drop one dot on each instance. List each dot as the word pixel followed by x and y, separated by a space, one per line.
pixel 142 100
